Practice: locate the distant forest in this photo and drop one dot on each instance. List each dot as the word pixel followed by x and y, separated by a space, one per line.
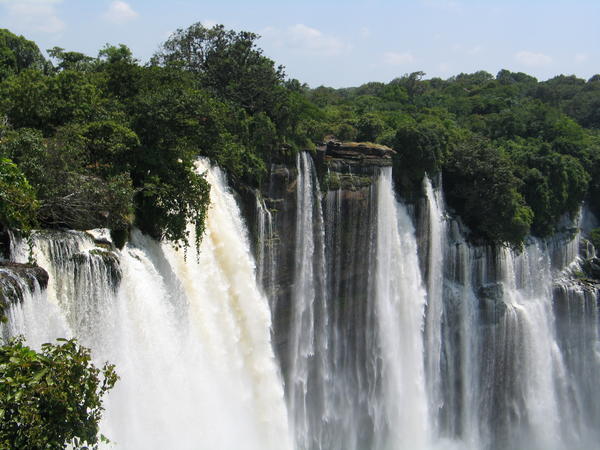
pixel 105 141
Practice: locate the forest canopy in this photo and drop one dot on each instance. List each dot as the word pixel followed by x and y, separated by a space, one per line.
pixel 107 141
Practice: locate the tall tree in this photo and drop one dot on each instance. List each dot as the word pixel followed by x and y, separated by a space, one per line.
pixel 18 54
pixel 228 63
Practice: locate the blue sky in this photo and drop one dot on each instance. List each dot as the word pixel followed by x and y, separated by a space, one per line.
pixel 341 43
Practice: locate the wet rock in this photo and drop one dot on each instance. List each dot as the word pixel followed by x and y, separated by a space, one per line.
pixel 333 181
pixel 591 268
pixel 16 278
pixel 102 260
pixel 4 243
pixel 101 237
pixel 491 303
pixel 586 249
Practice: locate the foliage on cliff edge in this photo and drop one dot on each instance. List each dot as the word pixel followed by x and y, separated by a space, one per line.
pixel 106 141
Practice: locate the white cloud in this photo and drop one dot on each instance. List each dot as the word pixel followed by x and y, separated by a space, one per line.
pixel 533 59
pixel 315 41
pixel 306 39
pixel 34 15
pixel 398 59
pixel 120 12
pixel 581 57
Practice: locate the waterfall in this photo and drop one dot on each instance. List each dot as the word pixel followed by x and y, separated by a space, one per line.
pixel 266 252
pixel 400 300
pixel 506 382
pixel 308 327
pixel 189 334
pixel 473 352
pixel 532 363
pixel 355 378
pixel 436 236
pixel 578 330
pixel 387 333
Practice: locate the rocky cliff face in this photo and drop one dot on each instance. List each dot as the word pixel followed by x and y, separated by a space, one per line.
pixel 15 279
pixel 345 173
pixel 336 154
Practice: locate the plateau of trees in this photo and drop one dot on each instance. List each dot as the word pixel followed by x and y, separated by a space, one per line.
pixel 516 155
pixel 106 141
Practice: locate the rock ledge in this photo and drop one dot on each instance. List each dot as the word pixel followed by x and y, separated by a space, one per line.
pixel 355 153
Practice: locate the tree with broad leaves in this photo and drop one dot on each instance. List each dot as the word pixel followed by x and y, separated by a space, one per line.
pixel 51 399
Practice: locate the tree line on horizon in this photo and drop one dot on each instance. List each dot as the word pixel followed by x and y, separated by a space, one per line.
pixel 106 141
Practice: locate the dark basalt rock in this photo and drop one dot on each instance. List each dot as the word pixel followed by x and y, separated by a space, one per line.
pixel 350 166
pixel 591 268
pixel 14 278
pixel 4 243
pixel 333 181
pixel 491 303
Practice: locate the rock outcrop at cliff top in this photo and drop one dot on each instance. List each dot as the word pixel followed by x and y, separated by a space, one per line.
pixel 356 153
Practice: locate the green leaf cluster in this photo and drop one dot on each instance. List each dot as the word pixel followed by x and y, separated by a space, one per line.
pixel 53 398
pixel 18 204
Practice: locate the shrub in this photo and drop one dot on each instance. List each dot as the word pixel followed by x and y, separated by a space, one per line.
pixel 52 398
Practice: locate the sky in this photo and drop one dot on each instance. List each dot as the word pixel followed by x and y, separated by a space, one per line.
pixel 341 43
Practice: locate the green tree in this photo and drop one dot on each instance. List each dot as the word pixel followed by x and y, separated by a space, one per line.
pixel 421 148
pixel 369 127
pixel 18 54
pixel 123 75
pixel 18 204
pixel 35 100
pixel 53 398
pixel 73 61
pixel 554 186
pixel 228 63
pixel 72 190
pixel 480 185
pixel 176 123
pixel 110 147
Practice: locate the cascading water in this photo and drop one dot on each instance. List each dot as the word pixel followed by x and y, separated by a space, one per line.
pixel 355 335
pixel 400 300
pixel 468 347
pixel 436 236
pixel 470 353
pixel 266 251
pixel 190 336
pixel 308 295
pixel 505 381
